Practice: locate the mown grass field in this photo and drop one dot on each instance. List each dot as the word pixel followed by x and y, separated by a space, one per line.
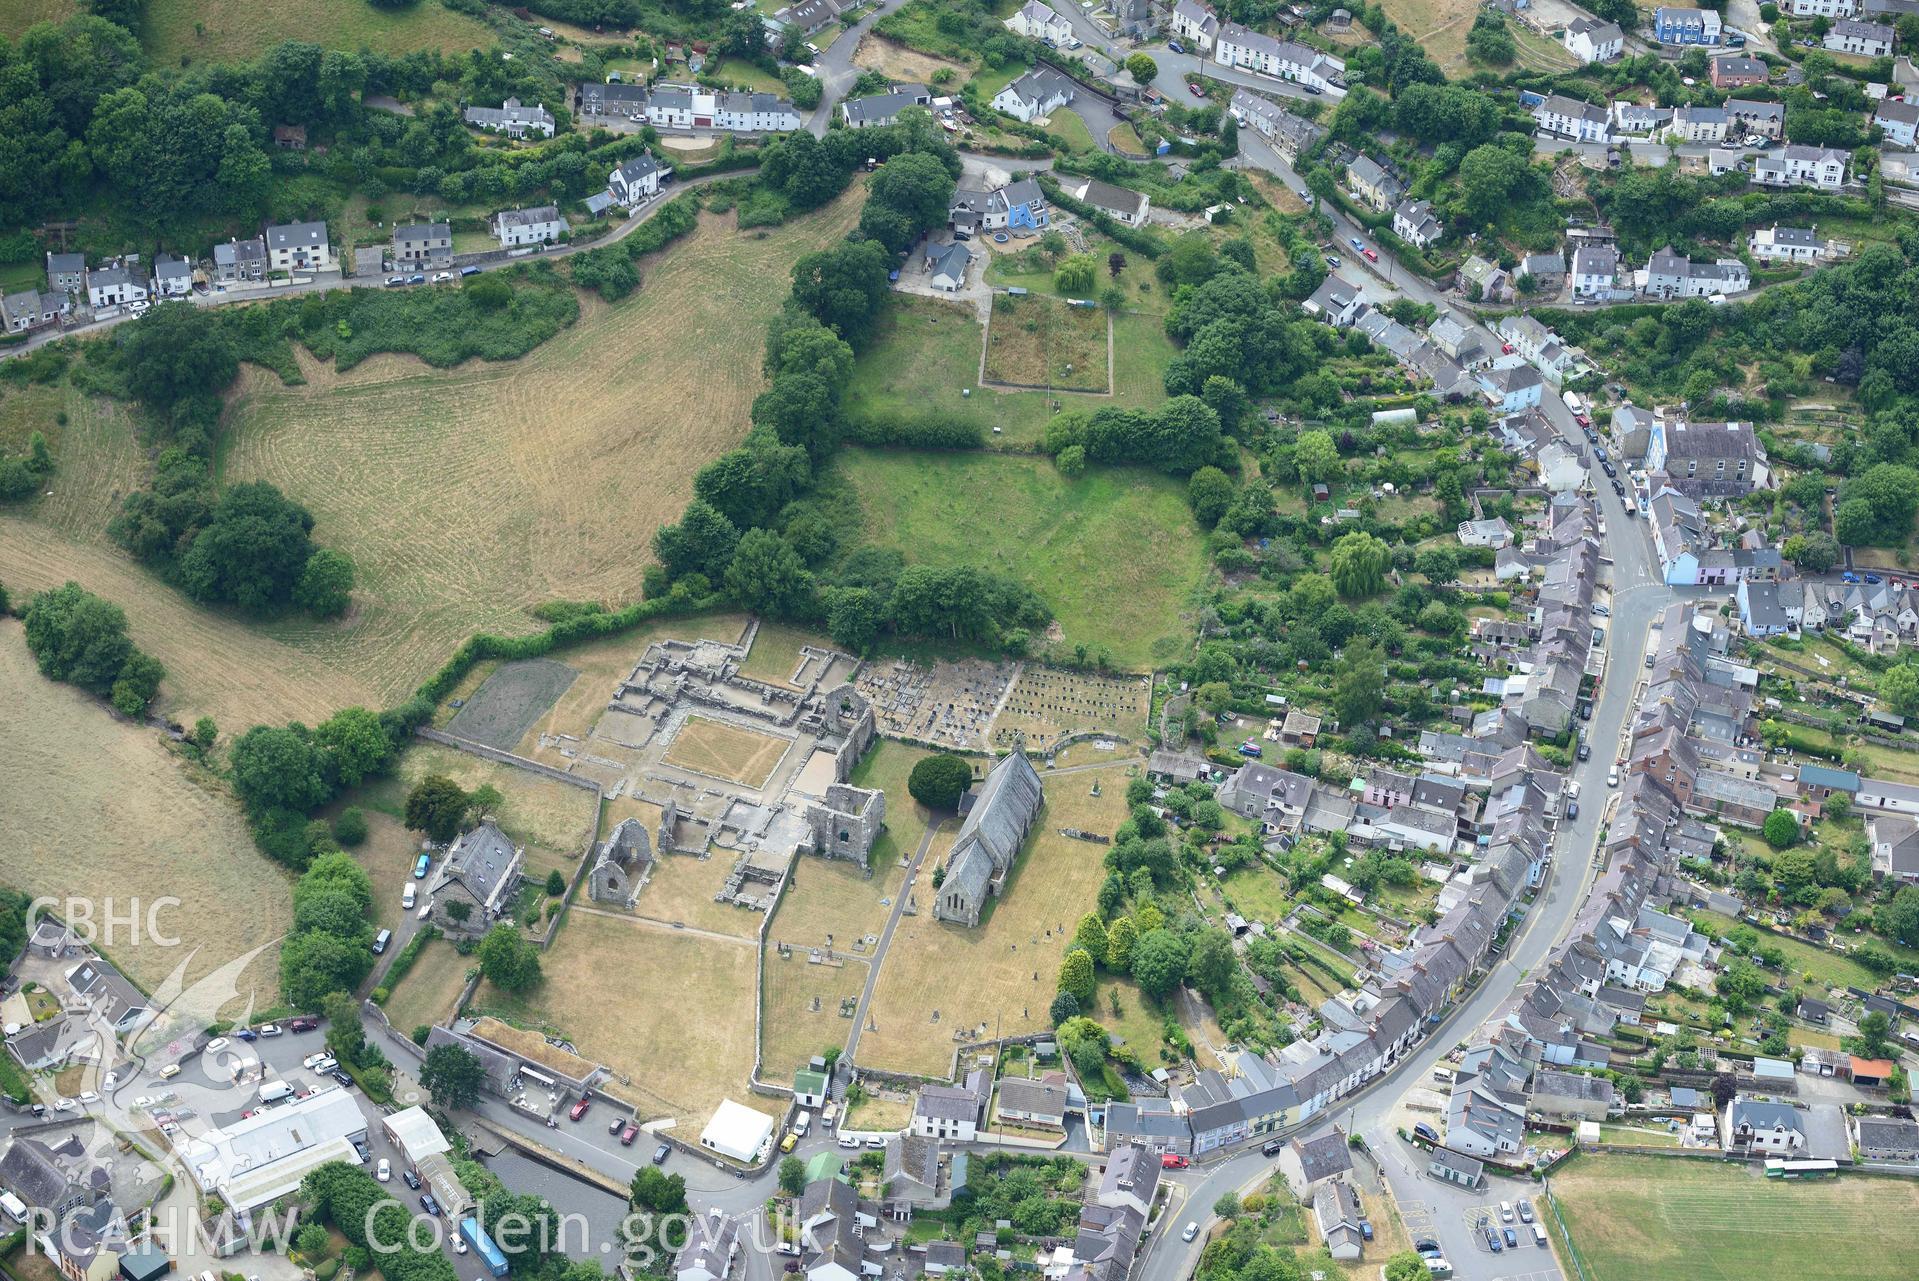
pixel 17 15
pixel 235 30
pixel 97 809
pixel 1658 1219
pixel 427 993
pixel 1024 932
pixel 927 352
pixel 1114 553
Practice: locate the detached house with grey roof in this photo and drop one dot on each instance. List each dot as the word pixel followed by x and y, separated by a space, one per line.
pixel 482 871
pixel 952 1112
pixel 512 118
pixel 1861 39
pixel 1372 184
pixel 878 109
pixel 1414 222
pixel 299 246
pixel 1821 168
pixel 66 273
pixel 541 225
pixel 1035 95
pixel 1118 203
pixel 423 246
pixel 1898 121
pixel 638 180
pixel 1565 117
pixel 172 276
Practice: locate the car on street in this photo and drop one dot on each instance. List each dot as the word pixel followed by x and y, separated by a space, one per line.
pixel 411 1179
pixel 1176 46
pixel 441 277
pixel 1190 1231
pixel 1371 254
pixel 1585 751
pixel 849 1141
pixel 468 271
pixel 270 1029
pixel 1849 576
pixel 1874 579
pixel 1612 776
pixel 214 1046
pixel 428 1204
pixel 383 1171
pixel 1315 90
pixel 1355 242
pixel 875 1141
pixel 459 1243
pixel 1572 811
pixel 578 1110
pixel 790 1142
pixel 1173 1161
pixel 417 278
pixel 392 281
pixel 1427 1247
pixel 661 1153
pixel 1332 260
pixel 305 1023
pixel 247 1034
pixel 1198 90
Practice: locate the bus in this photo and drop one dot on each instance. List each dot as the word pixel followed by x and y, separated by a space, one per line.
pixel 1781 1169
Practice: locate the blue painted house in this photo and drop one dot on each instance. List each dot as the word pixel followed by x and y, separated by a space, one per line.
pixel 1685 26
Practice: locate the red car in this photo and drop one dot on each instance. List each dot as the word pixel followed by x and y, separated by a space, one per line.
pixel 1505 349
pixel 1371 255
pixel 1173 1161
pixel 627 1135
pixel 579 1109
pixel 1584 420
pixel 1198 91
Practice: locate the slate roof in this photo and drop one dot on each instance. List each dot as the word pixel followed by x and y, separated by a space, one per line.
pixel 537 216
pixel 482 860
pixel 1323 1155
pixel 35 1176
pixel 1004 809
pixel 297 235
pixel 884 106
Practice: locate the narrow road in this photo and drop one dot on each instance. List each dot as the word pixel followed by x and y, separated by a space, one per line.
pixel 886 941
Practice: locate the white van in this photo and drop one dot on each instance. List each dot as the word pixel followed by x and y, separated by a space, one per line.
pixel 409 896
pixel 275 1091
pixel 802 1123
pixel 1443 1074
pixel 1539 1236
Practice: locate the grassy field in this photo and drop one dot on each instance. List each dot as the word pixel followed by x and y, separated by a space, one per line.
pixel 97 809
pixel 388 855
pixel 1439 27
pixel 829 898
pixel 671 1012
pixel 1824 968
pixel 427 993
pixel 927 352
pixel 217 664
pixel 1659 1219
pixel 803 1009
pixel 681 890
pixel 775 655
pixel 1069 130
pixel 707 746
pixel 1037 340
pixel 234 30
pixel 17 15
pixel 1024 933
pixel 1017 515
pixel 532 495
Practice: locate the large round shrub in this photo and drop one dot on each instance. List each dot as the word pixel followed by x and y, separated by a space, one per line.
pixel 938 782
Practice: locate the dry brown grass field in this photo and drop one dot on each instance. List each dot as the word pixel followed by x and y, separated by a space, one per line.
pixel 714 748
pixel 427 993
pixel 217 664
pixel 681 891
pixel 94 807
pixel 795 1030
pixel 1038 340
pixel 388 855
pixel 831 897
pixel 877 53
pixel 465 496
pixel 1052 885
pixel 673 1012
pixel 776 652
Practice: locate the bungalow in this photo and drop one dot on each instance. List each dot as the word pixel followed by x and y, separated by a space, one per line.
pixel 1038 21
pixel 1035 95
pixel 116 283
pixel 1735 71
pixel 946 266
pixel 1494 533
pixel 299 246
pixel 541 225
pixel 1885 1138
pixel 1117 203
pixel 1041 1103
pixel 1565 117
pixel 422 245
pixel 1456 1167
pixel 807 15
pixel 1267 55
pixel 512 118
pixel 1898 121
pixel 1414 222
pixel 240 260
pixel 638 180
pixel 1372 184
pixel 1685 26
pixel 1786 244
pixel 878 109
pixel 1864 39
pixel 1822 168
pixel 1196 24
pixel 1591 40
pixel 172 276
pixel 1290 134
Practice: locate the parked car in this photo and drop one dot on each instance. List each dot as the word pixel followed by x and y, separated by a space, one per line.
pixel 383 1171
pixel 1426 1132
pixel 1612 776
pixel 1173 1161
pixel 1356 243
pixel 1525 1211
pixel 1371 254
pixel 428 1204
pixel 1190 1231
pixel 875 1141
pixel 1874 579
pixel 1198 90
pixel 411 1179
pixel 417 278
pixel 247 1034
pixel 305 1023
pixel 661 1153
pixel 312 1061
pixel 1585 751
pixel 578 1110
pixel 468 271
pixel 627 1135
pixel 392 281
pixel 1332 260
pixel 459 1243
pixel 849 1141
pixel 1512 1239
pixel 1492 1241
pixel 420 866
pixel 340 1076
pixel 270 1029
pixel 441 277
pixel 1572 811
pixel 1176 46
pixel 1428 1248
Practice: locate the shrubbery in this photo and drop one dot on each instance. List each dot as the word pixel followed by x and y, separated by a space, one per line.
pixel 82 640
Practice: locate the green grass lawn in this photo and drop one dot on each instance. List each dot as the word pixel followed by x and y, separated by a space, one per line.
pixel 234 30
pixel 1114 553
pixel 1067 129
pixel 1642 1218
pixel 926 352
pixel 1817 963
pixel 1257 893
pixel 744 75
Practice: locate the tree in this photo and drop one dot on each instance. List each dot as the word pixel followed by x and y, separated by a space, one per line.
pixel 76 637
pixel 1815 552
pixel 654 1189
pixel 357 742
pixel 1440 565
pixel 1143 69
pixel 350 828
pixel 1407 1266
pixel 1213 964
pixel 313 964
pixel 1065 1005
pixel 916 190
pixel 1076 976
pixel 1877 506
pixel 1227 1206
pixel 345 1037
pixel 1090 934
pixel 1159 961
pixel 1357 684
pixel 555 883
pixel 1071 461
pixel 1874 1034
pixel 174 352
pixel 436 806
pixel 453 1074
pixel 280 768
pixel 325 588
pixel 1121 938
pixel 1781 829
pixel 1075 275
pixel 1316 457
pixel 507 960
pixel 792 1176
pixel 767 576
pixel 1899 919
pixel 252 551
pixel 938 782
pixel 1490 177
pixel 1739 984
pixel 1899 688
pixel 844 287
pixel 1209 493
pixel 1359 564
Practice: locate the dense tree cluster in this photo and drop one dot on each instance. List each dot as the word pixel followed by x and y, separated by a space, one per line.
pixel 78 638
pixel 328 950
pixel 283 773
pixel 352 1201
pixel 25 474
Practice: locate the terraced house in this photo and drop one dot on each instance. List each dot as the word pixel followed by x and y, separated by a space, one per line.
pixel 1266 55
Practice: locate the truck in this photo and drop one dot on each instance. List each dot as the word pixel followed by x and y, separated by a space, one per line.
pixel 483 1245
